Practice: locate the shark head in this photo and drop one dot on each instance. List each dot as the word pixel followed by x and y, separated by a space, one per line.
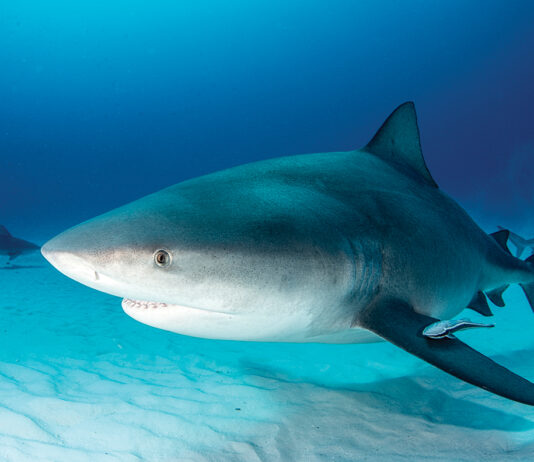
pixel 207 258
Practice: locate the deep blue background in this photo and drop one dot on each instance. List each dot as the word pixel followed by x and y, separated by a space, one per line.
pixel 102 102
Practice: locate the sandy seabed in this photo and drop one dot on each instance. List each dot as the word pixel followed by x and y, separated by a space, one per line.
pixel 81 381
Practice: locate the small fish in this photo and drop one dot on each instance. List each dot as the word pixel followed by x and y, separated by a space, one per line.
pixel 447 328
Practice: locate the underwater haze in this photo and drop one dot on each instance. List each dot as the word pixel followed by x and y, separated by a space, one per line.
pixel 103 102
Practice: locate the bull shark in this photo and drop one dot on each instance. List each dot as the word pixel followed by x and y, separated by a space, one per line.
pixel 13 246
pixel 338 247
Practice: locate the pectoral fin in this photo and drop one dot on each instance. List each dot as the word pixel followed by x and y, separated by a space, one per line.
pixel 397 322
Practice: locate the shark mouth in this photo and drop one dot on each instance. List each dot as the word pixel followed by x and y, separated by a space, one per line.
pixel 141 304
pixel 129 305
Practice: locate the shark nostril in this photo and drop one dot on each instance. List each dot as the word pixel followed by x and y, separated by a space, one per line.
pixel 97 277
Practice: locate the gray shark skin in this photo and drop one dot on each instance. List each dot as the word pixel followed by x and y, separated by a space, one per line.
pixel 13 246
pixel 338 247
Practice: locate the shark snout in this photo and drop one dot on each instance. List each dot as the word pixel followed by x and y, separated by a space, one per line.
pixel 69 262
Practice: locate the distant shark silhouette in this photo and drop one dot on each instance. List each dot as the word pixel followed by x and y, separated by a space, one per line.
pixel 13 246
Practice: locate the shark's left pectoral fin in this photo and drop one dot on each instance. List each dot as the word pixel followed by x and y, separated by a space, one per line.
pixel 398 323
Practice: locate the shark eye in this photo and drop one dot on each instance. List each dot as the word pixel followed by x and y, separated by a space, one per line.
pixel 162 258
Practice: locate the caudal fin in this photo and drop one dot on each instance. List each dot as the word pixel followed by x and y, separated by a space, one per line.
pixel 529 288
pixel 520 243
pixel 502 237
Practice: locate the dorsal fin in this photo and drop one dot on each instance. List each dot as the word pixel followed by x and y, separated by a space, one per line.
pixel 397 141
pixel 4 231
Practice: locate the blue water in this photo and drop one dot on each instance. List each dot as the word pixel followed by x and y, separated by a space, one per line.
pixel 104 102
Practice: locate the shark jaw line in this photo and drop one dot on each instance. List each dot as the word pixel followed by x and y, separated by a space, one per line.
pixel 129 304
pixel 141 304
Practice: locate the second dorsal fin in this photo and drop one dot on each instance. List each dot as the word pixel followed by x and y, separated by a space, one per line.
pixel 397 141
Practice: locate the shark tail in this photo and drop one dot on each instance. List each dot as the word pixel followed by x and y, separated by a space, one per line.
pixel 529 288
pixel 520 243
pixel 502 237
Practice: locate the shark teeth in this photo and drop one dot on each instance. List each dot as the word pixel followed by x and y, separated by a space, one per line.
pixel 141 304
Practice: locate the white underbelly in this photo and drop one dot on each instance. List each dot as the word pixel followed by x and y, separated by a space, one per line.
pixel 298 327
